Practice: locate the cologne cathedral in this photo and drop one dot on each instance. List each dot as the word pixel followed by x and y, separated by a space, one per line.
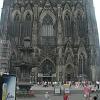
pixel 51 40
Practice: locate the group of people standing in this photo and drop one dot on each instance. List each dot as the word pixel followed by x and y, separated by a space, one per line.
pixel 86 94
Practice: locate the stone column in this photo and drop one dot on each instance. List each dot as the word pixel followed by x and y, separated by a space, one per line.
pixel 34 31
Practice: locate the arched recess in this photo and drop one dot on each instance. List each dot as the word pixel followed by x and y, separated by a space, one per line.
pixel 79 24
pixel 82 61
pixel 69 72
pixel 79 19
pixel 47 67
pixel 28 13
pixel 16 15
pixel 79 8
pixel 47 32
pixel 68 48
pixel 82 49
pixel 48 12
pixel 27 24
pixel 67 24
pixel 15 25
pixel 67 9
pixel 28 17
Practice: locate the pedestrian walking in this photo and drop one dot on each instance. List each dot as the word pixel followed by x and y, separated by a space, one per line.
pixel 86 91
pixel 97 83
pixel 66 96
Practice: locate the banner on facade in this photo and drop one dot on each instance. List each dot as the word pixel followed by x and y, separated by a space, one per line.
pixel 8 87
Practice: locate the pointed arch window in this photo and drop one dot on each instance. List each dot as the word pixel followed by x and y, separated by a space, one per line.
pixel 47 68
pixel 67 25
pixel 79 24
pixel 28 17
pixel 47 31
pixel 27 25
pixel 69 73
pixel 15 27
pixel 82 64
pixel 16 17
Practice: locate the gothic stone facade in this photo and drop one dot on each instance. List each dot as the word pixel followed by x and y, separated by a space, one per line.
pixel 51 40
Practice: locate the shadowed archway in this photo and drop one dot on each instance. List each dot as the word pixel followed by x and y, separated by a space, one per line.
pixel 47 69
pixel 69 73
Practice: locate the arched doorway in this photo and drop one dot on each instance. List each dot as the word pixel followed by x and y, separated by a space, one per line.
pixel 69 73
pixel 47 70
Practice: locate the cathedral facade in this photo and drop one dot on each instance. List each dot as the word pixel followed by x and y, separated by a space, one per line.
pixel 51 40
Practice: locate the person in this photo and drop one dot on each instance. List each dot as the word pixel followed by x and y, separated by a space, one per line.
pixel 47 96
pixel 91 98
pixel 97 83
pixel 86 91
pixel 66 96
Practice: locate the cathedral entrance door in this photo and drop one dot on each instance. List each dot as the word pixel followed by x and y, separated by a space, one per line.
pixel 68 77
pixel 69 73
pixel 47 79
pixel 47 69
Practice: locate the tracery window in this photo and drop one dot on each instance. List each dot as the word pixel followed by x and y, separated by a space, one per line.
pixel 47 68
pixel 79 24
pixel 16 17
pixel 67 25
pixel 27 25
pixel 47 31
pixel 69 73
pixel 16 25
pixel 28 17
pixel 82 64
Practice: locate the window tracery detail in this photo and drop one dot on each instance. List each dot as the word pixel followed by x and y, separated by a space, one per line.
pixel 16 17
pixel 79 24
pixel 28 17
pixel 81 64
pixel 47 31
pixel 67 25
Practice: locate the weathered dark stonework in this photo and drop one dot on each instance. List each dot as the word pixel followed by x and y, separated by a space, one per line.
pixel 51 39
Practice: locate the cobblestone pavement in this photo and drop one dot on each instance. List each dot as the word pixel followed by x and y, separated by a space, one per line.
pixel 40 96
pixel 56 97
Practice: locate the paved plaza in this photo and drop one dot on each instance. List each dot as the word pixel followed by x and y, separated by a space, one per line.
pixel 76 95
pixel 56 97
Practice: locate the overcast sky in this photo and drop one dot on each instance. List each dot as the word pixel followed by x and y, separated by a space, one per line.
pixel 97 8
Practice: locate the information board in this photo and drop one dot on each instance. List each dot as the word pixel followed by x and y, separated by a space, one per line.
pixel 8 87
